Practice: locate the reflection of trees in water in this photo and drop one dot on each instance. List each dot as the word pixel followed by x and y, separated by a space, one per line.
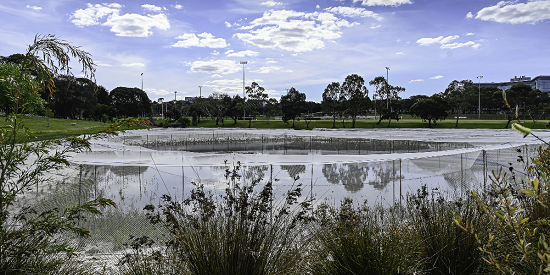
pixel 255 172
pixel 294 170
pixel 351 175
pixel 128 170
pixel 385 173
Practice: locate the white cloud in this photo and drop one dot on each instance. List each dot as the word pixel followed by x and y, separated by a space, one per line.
pixel 271 62
pixel 437 40
pixel 229 86
pixel 152 8
pixel 375 27
pixel 215 53
pixel 317 7
pixel 134 25
pixel 459 45
pixel 179 7
pixel 436 77
pixel 91 15
pixel 293 31
pixel 354 12
pixel 470 33
pixel 400 53
pixel 138 65
pixel 416 80
pixel 203 40
pixel 215 66
pixel 227 24
pixel 34 7
pixel 270 69
pixel 516 13
pixel 469 15
pixel 394 3
pixel 271 3
pixel 158 92
pixel 216 75
pixel 101 64
pixel 242 53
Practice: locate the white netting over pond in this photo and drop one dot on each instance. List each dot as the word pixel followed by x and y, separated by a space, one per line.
pixel 381 166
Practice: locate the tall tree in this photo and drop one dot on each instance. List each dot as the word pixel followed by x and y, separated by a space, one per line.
pixel 330 101
pixel 357 96
pixel 521 98
pixel 431 109
pixel 386 93
pixel 29 100
pixel 130 102
pixel 257 98
pixel 458 94
pixel 292 105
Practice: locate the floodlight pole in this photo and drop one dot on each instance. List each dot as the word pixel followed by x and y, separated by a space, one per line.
pixel 387 87
pixel 244 95
pixel 479 97
pixel 175 101
pixel 142 81
pixel 200 91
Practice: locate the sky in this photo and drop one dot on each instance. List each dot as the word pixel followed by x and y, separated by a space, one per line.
pixel 183 44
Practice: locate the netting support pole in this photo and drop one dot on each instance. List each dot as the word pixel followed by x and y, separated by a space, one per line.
pixel 484 169
pixel 400 182
pixel 461 174
pixel 139 179
pixel 393 181
pixel 95 180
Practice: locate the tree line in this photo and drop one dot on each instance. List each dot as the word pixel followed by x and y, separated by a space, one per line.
pixel 81 98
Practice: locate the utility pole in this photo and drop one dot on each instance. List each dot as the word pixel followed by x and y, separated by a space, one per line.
pixel 244 95
pixel 387 87
pixel 479 97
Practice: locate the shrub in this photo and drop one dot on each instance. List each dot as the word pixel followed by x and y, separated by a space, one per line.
pixel 183 122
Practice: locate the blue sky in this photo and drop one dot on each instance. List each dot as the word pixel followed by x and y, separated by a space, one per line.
pixel 181 45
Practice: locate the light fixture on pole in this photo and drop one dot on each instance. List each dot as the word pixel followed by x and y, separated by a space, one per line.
pixel 387 87
pixel 200 91
pixel 175 100
pixel 479 97
pixel 160 100
pixel 142 81
pixel 244 96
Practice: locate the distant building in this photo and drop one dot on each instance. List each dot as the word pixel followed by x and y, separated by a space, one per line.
pixel 541 82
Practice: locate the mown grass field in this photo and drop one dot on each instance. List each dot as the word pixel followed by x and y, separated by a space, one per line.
pixel 59 128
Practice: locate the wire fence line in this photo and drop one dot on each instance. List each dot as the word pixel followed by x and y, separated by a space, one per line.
pixel 454 172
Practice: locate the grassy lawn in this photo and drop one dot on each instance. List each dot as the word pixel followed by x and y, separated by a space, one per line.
pixel 59 128
pixel 406 122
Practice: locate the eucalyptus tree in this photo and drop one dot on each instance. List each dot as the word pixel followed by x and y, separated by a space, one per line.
pixel 292 105
pixel 457 94
pixel 388 93
pixel 330 103
pixel 357 96
pixel 257 97
pixel 431 109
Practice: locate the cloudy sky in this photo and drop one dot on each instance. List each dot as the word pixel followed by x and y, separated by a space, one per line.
pixel 183 44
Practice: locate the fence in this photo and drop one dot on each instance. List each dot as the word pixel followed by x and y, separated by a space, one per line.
pixel 147 167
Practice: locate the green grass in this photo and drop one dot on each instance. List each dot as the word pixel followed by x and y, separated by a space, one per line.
pixel 57 128
pixel 62 128
pixel 406 122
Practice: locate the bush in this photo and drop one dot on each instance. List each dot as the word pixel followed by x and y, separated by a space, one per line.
pixel 183 122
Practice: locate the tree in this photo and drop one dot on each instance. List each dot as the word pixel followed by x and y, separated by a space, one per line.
pixel 130 102
pixel 431 109
pixel 330 103
pixel 522 98
pixel 74 97
pixel 272 108
pixel 216 106
pixel 257 98
pixel 357 96
pixel 27 242
pixel 407 103
pixel 457 94
pixel 235 108
pixel 292 105
pixel 388 93
pixel 29 99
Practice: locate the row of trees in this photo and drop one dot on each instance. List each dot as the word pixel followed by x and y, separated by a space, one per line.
pixel 82 98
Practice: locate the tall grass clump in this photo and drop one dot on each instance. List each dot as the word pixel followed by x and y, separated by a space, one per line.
pixel 360 239
pixel 244 231
pixel 444 248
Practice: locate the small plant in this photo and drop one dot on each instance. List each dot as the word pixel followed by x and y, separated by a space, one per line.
pixel 241 234
pixel 361 240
